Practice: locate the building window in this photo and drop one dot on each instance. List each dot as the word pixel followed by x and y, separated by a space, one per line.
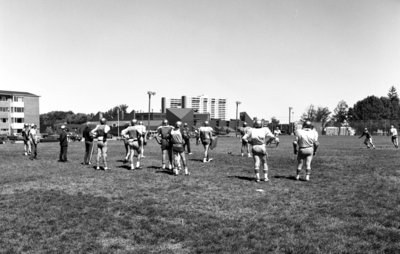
pixel 18 120
pixel 3 109
pixel 4 120
pixel 18 99
pixel 17 109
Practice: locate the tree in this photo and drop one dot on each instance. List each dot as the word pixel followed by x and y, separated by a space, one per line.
pixel 340 113
pixel 321 114
pixel 370 108
pixel 310 114
pixel 274 121
pixel 392 94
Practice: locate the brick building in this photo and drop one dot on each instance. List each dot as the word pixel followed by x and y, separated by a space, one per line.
pixel 17 108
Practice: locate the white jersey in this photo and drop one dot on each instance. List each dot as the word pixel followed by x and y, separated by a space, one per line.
pixel 277 133
pixel 393 131
pixel 306 138
pixel 257 136
pixel 101 131
pixel 205 132
pixel 141 129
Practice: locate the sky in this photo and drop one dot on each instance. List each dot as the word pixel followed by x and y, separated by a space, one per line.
pixel 91 55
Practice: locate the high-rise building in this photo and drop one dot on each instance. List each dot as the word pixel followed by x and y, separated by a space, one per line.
pixel 17 108
pixel 217 108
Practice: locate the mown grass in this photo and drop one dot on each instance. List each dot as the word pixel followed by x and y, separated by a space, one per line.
pixel 351 204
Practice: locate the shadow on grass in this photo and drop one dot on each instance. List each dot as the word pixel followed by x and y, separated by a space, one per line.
pixel 293 178
pixel 167 172
pixel 200 160
pixel 247 178
pixel 154 167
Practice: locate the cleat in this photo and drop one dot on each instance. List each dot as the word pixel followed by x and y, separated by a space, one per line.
pixel 249 155
pixel 266 179
pixel 307 177
pixel 97 168
pixel 190 153
pixel 209 160
pixel 204 160
pixel 297 177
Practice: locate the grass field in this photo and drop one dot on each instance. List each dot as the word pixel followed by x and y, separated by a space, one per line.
pixel 351 204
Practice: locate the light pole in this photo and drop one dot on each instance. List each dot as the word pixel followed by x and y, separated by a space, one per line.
pixel 237 122
pixel 148 119
pixel 119 109
pixel 290 115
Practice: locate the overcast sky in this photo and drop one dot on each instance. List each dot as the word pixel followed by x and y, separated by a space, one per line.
pixel 90 55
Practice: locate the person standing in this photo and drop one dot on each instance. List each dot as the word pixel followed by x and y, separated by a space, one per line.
pixel 177 143
pixel 133 135
pixel 368 138
pixel 245 145
pixel 63 144
pixel 162 138
pixel 186 138
pixel 205 137
pixel 143 141
pixel 257 137
pixel 305 146
pixel 393 132
pixel 25 136
pixel 88 145
pixel 101 132
pixel 33 140
pixel 277 133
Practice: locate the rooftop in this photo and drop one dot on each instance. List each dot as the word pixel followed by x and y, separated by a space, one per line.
pixel 3 92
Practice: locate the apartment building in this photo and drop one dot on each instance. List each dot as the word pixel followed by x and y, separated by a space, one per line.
pixel 217 108
pixel 17 108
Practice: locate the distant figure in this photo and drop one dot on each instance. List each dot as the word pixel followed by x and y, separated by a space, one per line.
pixel 101 132
pixel 88 145
pixel 186 138
pixel 177 143
pixel 245 145
pixel 143 141
pixel 134 136
pixel 33 140
pixel 257 137
pixel 368 139
pixel 277 133
pixel 305 145
pixel 25 136
pixel 126 145
pixel 393 132
pixel 63 144
pixel 205 137
pixel 162 138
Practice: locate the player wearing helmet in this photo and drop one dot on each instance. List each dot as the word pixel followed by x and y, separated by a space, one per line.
pixel 186 138
pixel 305 146
pixel 25 136
pixel 257 137
pixel 34 140
pixel 101 132
pixel 176 140
pixel 368 138
pixel 134 135
pixel 393 132
pixel 143 141
pixel 245 145
pixel 205 137
pixel 162 138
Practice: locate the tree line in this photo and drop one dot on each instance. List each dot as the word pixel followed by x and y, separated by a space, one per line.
pixel 377 112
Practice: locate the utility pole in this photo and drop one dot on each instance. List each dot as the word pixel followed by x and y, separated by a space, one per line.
pixel 148 120
pixel 290 122
pixel 237 122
